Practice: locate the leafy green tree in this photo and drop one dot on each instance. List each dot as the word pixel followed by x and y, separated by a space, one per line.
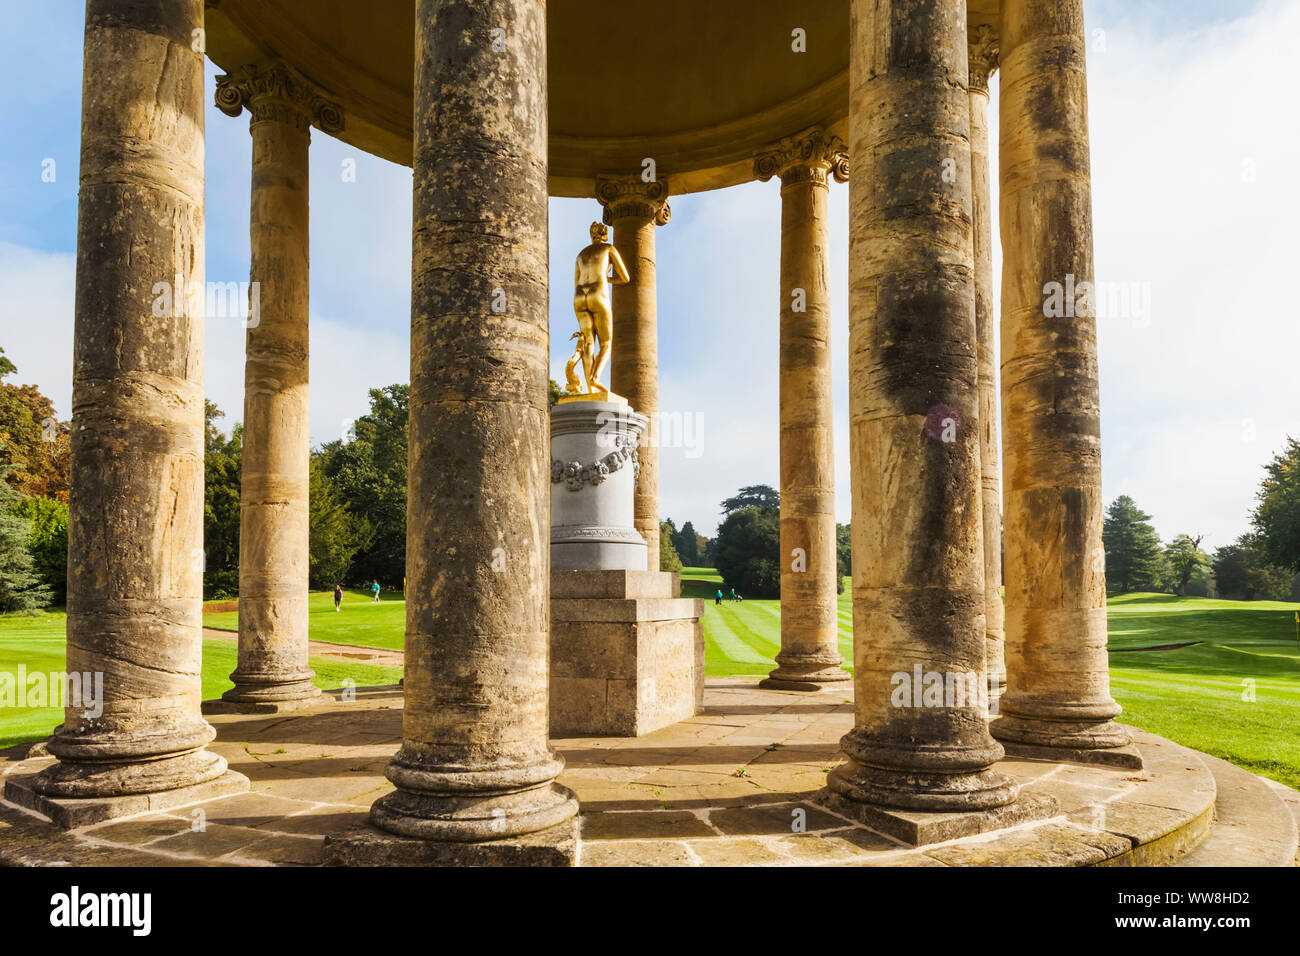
pixel 47 543
pixel 34 444
pixel 1132 546
pixel 748 551
pixel 687 543
pixel 336 534
pixel 1242 570
pixel 1277 517
pixel 556 392
pixel 843 552
pixel 1185 558
pixel 669 560
pixel 222 457
pixel 368 474
pixel 20 586
pixel 752 496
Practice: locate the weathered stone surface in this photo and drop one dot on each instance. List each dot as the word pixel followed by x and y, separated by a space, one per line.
pixel 624 666
pixel 633 208
pixel 918 574
pixel 1058 684
pixel 73 813
pixel 273 526
pixel 921 828
pixel 615 584
pixel 135 535
pixel 658 825
pixel 474 764
pixel 707 784
pixel 555 846
pixel 809 573
pixel 982 53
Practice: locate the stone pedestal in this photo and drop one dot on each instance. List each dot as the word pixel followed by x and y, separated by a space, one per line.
pixel 627 653
pixel 594 469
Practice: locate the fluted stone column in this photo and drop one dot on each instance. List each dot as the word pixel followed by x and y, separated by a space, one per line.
pixel 983 57
pixel 632 209
pixel 272 671
pixel 1058 688
pixel 918 582
pixel 474 764
pixel 135 538
pixel 809 658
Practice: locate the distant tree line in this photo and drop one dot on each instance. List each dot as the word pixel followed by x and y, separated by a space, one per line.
pixel 1261 564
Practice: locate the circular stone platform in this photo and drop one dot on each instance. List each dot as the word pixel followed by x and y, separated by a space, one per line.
pixel 732 786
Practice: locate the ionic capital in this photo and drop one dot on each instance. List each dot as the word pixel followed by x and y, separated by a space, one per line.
pixel 811 156
pixel 277 93
pixel 632 196
pixel 982 52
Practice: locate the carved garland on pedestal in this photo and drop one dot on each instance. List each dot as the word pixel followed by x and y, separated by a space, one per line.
pixel 277 93
pixel 624 196
pixel 982 54
pixel 575 474
pixel 810 156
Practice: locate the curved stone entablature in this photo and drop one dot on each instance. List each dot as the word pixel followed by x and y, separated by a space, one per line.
pixel 702 90
pixel 811 156
pixel 277 92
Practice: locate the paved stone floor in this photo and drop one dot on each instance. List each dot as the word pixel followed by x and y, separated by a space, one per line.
pixel 731 786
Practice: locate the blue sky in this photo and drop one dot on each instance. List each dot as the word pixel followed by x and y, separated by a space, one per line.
pixel 1194 205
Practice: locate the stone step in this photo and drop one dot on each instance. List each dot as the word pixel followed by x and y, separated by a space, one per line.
pixel 1253 826
pixel 1292 799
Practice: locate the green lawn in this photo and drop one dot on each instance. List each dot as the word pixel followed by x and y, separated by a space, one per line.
pixel 37 642
pixel 1198 695
pixel 360 621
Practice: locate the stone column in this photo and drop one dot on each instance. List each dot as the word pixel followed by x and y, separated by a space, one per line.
pixel 272 671
pixel 809 657
pixel 918 581
pixel 135 537
pixel 633 208
pixel 1058 686
pixel 983 57
pixel 475 766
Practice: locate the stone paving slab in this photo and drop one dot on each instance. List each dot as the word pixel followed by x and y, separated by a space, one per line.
pixel 731 786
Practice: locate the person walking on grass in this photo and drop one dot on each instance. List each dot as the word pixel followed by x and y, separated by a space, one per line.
pixel 718 599
pixel 338 596
pixel 375 587
pixel 733 594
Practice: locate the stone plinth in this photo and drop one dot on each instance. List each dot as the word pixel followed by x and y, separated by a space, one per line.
pixel 594 466
pixel 627 654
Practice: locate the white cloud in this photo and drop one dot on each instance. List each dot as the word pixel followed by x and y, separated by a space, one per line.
pixel 37 290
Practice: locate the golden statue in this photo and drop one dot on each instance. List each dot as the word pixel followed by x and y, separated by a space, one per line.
pixel 591 302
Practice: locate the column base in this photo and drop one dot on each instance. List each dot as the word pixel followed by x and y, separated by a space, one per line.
pixel 282 691
pixel 82 779
pixel 473 817
pixel 31 791
pixel 922 828
pixel 805 672
pixel 933 791
pixel 223 706
pixel 369 846
pixel 1101 742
